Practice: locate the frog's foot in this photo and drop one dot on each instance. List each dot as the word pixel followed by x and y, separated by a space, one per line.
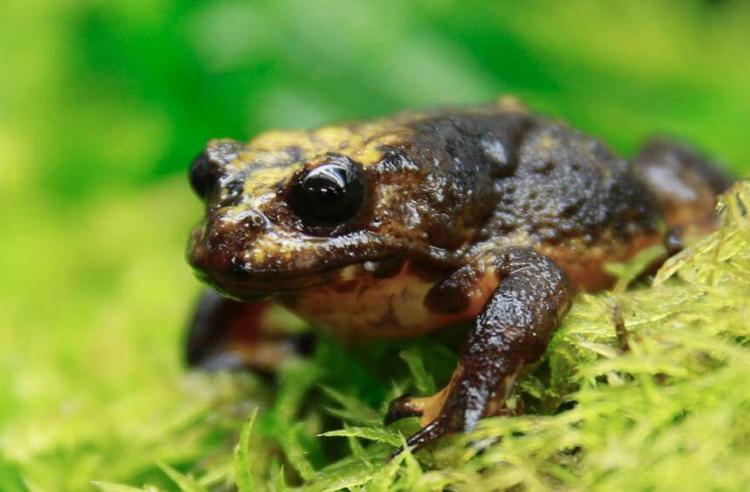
pixel 230 335
pixel 444 413
pixel 427 408
pixel 512 330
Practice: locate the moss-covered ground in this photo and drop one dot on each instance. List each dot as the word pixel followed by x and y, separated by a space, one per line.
pixel 652 398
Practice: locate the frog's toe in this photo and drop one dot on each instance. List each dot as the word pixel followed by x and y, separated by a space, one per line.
pixel 402 407
pixel 431 433
pixel 434 431
pixel 445 424
pixel 426 407
pixel 436 418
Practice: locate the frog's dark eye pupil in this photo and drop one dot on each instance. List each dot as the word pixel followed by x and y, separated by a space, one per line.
pixel 329 194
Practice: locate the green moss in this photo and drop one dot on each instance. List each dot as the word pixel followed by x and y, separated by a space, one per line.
pixel 662 406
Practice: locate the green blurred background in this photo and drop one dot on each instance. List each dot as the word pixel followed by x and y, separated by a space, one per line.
pixel 104 103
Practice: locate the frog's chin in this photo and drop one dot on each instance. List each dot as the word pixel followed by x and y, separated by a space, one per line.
pixel 260 289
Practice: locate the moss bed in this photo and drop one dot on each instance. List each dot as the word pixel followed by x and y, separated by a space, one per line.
pixel 644 387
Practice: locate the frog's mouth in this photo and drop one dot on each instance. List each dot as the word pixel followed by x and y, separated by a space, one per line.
pixel 253 286
pixel 250 273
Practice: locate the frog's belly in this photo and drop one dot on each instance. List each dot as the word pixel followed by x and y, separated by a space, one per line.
pixel 360 306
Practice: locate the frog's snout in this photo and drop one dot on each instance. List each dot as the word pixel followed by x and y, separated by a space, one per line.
pixel 219 246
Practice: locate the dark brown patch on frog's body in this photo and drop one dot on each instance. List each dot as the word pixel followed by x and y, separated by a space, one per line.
pixel 568 186
pixel 457 156
pixel 512 178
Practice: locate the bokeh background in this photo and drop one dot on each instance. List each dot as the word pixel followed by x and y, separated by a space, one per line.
pixel 104 103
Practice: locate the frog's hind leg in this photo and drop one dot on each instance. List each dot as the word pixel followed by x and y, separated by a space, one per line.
pixel 685 183
pixel 225 334
pixel 512 330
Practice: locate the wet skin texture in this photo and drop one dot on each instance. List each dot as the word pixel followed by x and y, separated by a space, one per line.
pixel 397 227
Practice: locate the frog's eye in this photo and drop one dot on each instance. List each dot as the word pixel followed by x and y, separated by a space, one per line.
pixel 202 175
pixel 329 194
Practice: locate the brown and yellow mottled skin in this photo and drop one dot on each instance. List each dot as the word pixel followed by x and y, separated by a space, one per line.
pixel 396 227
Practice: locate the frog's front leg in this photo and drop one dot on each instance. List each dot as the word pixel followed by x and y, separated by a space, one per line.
pixel 225 334
pixel 512 330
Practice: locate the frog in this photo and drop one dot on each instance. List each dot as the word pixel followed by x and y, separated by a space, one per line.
pixel 489 217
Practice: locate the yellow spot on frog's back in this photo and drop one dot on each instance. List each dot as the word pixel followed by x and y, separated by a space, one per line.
pixel 371 152
pixel 369 157
pixel 278 139
pixel 266 179
pixel 335 137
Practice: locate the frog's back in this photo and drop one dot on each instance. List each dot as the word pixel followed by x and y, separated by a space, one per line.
pixel 567 186
pixel 545 179
pixel 535 181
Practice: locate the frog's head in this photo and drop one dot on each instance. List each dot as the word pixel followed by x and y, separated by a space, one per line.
pixel 296 209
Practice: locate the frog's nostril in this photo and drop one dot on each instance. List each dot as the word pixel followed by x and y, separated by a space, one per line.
pixel 203 174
